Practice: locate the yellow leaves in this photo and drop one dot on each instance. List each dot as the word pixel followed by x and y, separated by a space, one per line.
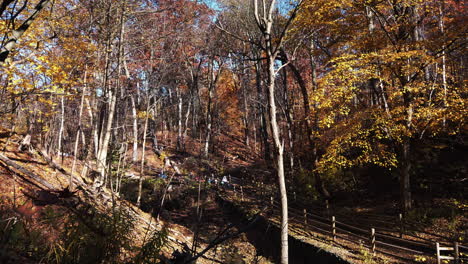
pixel 357 141
pixel 420 259
pixel 374 77
pixel 45 101
pixel 144 115
pixel 318 14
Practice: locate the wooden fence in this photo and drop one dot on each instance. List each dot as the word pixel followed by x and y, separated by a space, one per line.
pixel 389 235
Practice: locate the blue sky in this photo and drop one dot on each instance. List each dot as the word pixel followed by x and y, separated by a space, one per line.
pixel 212 4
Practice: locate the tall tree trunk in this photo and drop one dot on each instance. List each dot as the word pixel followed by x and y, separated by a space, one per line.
pixel 179 118
pixel 405 168
pixel 209 113
pixel 314 127
pixel 265 25
pixel 94 134
pixel 245 119
pixel 405 161
pixel 444 67
pixel 208 126
pixel 143 147
pixel 94 124
pixel 62 120
pixel 78 131
pixel 263 123
pixel 289 117
pixel 135 130
pixel 309 125
pixel 104 143
pixel 305 102
pixel 112 98
pixel 279 148
pixel 187 117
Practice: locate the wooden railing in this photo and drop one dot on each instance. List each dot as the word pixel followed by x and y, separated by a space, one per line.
pixel 383 234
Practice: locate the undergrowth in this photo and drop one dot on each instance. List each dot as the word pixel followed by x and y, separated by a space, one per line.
pixel 61 237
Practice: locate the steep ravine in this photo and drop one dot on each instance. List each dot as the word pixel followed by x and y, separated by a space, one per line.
pixel 265 237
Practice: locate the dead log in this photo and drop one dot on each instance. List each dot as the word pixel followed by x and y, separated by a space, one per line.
pixel 24 173
pixel 49 161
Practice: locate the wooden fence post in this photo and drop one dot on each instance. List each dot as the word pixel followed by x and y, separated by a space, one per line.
pixel 305 216
pixel 400 216
pixel 333 228
pixel 372 241
pixel 455 249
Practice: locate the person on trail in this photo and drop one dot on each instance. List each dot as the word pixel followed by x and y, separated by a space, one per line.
pixel 224 181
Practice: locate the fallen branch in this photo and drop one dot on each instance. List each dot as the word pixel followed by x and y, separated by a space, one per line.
pixel 49 161
pixel 24 173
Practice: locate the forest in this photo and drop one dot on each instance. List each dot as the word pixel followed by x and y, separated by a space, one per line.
pixel 233 131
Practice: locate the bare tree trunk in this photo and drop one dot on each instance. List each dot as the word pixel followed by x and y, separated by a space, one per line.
pixel 208 136
pixel 154 131
pixel 289 117
pixel 187 116
pixel 78 131
pixel 254 131
pixel 60 134
pixel 112 97
pixel 279 148
pixel 107 129
pixel 94 132
pixel 135 130
pixel 140 183
pixel 245 118
pixel 263 123
pixel 179 118
pixel 444 70
pixel 209 115
pixel 265 22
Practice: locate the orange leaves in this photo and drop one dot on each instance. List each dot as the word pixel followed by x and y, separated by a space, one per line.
pixel 227 95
